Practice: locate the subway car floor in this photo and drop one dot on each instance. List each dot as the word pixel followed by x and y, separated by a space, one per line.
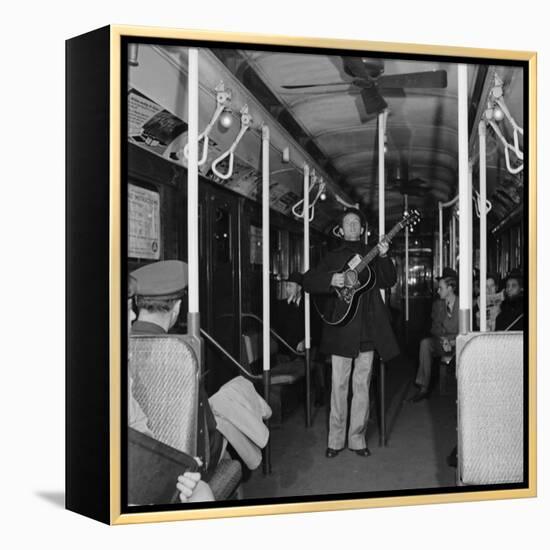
pixel 420 436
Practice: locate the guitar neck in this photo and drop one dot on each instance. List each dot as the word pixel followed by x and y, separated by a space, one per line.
pixel 367 259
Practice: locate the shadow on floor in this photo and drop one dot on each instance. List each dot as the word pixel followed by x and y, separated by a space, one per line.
pixel 57 498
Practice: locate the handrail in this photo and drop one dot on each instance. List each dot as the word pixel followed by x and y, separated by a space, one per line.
pixel 277 336
pixel 229 356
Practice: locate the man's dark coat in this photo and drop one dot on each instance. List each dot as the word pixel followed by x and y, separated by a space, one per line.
pixel 371 324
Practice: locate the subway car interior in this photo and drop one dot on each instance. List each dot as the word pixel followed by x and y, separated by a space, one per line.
pixel 242 162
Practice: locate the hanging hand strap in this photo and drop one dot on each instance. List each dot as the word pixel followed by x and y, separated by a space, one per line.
pixel 246 121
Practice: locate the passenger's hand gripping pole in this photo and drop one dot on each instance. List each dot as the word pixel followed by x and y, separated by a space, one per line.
pixel 246 121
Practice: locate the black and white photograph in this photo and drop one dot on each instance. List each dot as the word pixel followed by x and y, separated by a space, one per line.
pixel 275 275
pixel 325 257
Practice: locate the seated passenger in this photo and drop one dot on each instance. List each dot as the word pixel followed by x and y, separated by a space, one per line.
pixel 288 314
pixel 189 484
pixel 511 309
pixel 289 322
pixel 443 331
pixel 494 300
pixel 160 287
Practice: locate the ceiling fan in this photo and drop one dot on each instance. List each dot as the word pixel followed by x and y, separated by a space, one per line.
pixel 368 78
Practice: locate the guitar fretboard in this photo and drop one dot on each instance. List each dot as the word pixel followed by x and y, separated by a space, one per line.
pixel 367 259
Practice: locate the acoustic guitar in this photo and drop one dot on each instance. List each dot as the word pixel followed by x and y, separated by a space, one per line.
pixel 359 277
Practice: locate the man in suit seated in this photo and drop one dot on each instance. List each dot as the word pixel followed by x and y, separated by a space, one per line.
pixel 287 318
pixel 443 331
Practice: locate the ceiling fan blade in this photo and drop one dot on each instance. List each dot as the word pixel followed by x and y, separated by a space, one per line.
pixel 295 86
pixel 372 100
pixel 392 92
pixel 427 79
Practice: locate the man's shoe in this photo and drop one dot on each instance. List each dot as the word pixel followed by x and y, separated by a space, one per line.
pixel 362 452
pixel 331 453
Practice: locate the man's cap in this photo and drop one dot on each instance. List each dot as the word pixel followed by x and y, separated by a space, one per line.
pixel 167 279
pixel 355 211
pixel 448 272
pixel 296 277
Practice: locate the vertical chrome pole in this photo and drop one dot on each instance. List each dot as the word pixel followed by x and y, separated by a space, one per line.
pixel 470 245
pixel 265 280
pixel 440 270
pixel 464 204
pixel 381 178
pixel 193 193
pixel 382 231
pixel 482 226
pixel 307 319
pixel 407 264
pixel 453 240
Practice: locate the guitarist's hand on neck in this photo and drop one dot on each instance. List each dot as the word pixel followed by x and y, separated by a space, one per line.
pixel 383 247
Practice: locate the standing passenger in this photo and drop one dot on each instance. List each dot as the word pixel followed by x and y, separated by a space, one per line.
pixel 356 341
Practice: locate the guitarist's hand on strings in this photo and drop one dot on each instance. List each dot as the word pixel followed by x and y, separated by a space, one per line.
pixel 383 247
pixel 337 280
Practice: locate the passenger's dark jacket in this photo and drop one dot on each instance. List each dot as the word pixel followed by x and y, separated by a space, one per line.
pixel 511 310
pixel 371 324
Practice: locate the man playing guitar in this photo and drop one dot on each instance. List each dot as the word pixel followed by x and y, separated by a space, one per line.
pixel 354 340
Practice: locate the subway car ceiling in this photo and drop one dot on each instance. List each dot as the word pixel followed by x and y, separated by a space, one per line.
pixel 315 106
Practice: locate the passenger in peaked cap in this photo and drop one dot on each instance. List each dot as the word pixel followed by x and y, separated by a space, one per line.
pixel 160 287
pixel 189 485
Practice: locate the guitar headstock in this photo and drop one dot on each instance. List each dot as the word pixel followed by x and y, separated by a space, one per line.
pixel 410 218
